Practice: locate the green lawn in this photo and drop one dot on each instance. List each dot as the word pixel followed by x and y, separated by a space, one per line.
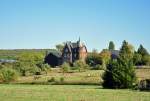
pixel 68 93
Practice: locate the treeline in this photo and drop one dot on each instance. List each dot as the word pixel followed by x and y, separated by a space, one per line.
pixel 12 54
pixel 27 63
pixel 98 60
pixel 120 70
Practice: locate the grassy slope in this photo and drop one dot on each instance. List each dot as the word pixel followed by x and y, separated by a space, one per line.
pixel 68 93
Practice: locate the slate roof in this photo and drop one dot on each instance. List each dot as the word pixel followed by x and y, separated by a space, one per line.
pixel 55 52
pixel 72 46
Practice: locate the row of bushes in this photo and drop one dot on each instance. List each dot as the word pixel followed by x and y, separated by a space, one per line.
pixel 11 72
pixel 79 66
pixel 8 75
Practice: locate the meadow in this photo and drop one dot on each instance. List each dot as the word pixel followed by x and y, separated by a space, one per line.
pixel 89 77
pixel 68 93
pixel 77 86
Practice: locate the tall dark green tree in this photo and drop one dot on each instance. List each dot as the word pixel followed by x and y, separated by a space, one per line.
pixel 126 51
pixel 145 58
pixel 142 51
pixel 111 45
pixel 120 73
pixel 137 58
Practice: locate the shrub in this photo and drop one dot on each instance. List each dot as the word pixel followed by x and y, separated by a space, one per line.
pixel 80 65
pixel 37 77
pixel 52 79
pixel 65 67
pixel 8 75
pixel 26 68
pixel 62 79
pixel 93 59
pixel 98 67
pixel 45 67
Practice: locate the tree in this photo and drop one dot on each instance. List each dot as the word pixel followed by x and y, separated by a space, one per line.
pixel 137 58
pixel 65 67
pixel 60 47
pixel 27 63
pixel 126 51
pixel 111 45
pixel 93 59
pixel 120 73
pixel 94 51
pixel 80 65
pixel 8 75
pixel 105 57
pixel 142 51
pixel 145 58
pixel 110 76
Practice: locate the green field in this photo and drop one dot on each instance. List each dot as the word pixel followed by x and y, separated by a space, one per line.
pixel 68 93
pixel 73 91
pixel 92 77
pixel 87 77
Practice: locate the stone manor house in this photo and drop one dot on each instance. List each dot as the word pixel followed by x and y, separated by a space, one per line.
pixel 71 52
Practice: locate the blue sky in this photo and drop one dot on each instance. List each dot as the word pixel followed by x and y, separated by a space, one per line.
pixel 45 23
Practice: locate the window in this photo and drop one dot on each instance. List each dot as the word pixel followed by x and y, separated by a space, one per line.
pixel 66 50
pixel 75 55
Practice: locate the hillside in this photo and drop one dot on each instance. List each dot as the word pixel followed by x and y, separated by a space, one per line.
pixel 12 54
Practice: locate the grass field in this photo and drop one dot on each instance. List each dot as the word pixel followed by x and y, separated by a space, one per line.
pixel 68 93
pixel 88 92
pixel 87 77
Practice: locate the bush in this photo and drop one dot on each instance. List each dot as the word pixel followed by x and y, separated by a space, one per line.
pixel 8 75
pixel 93 59
pixel 52 79
pixel 65 67
pixel 45 67
pixel 62 79
pixel 144 85
pixel 98 67
pixel 26 68
pixel 80 65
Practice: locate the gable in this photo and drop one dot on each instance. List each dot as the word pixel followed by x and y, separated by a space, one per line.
pixel 84 49
pixel 67 49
